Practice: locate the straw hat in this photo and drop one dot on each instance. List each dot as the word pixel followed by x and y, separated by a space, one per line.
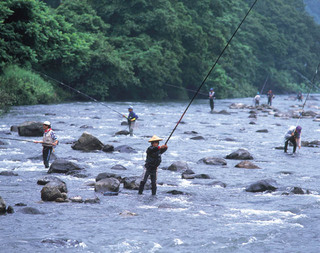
pixel 155 138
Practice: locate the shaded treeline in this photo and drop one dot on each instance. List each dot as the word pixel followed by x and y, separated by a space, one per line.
pixel 132 49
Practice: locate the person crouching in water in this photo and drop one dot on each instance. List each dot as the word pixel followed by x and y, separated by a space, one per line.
pixel 294 136
pixel 257 99
pixel 152 162
pixel 49 141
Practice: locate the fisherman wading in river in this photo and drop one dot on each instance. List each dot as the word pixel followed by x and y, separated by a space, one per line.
pixel 152 162
pixel 132 117
pixel 49 141
pixel 211 97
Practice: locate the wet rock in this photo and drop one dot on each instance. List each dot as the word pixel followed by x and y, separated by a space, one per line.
pixel 261 186
pixel 107 184
pixel 31 128
pixel 188 171
pixel 62 187
pixel 247 165
pixel 296 190
pixel 64 242
pixel 309 114
pixel 279 147
pixel 237 106
pixel 217 183
pixel 50 193
pixel 63 166
pixel 3 206
pixel 176 192
pixel 311 144
pixel 86 127
pixel 30 210
pixel 61 200
pixel 197 138
pixel 193 176
pixel 190 132
pixel 224 112
pixel 262 131
pixel 118 167
pixel 92 201
pixel 229 139
pixel 125 149
pixel 122 132
pixel 285 172
pixel 87 142
pixel 107 175
pixel 76 199
pixel 132 183
pixel 108 148
pixel 47 179
pixel 178 166
pixel 39 157
pixel 252 123
pixel 254 116
pixel 240 154
pixel 8 173
pixel 127 214
pixel 14 128
pixel 20 204
pixel 3 143
pixel 110 193
pixel 10 209
pixel 124 123
pixel 213 161
pixel 50 114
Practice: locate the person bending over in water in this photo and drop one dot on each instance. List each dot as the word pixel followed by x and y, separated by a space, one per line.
pixel 294 136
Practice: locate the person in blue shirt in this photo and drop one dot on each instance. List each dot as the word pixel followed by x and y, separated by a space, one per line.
pixel 132 117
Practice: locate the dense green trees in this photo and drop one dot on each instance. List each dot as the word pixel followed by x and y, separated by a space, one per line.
pixel 137 49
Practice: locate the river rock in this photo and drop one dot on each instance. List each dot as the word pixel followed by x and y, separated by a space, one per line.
pixel 240 154
pixel 247 165
pixel 126 213
pixel 14 128
pixel 296 190
pixel 59 184
pixel 118 167
pixel 47 179
pixel 132 183
pixel 65 167
pixel 76 199
pixel 107 184
pixel 95 200
pixel 124 123
pixel 176 192
pixel 125 149
pixel 237 106
pixel 217 183
pixel 108 148
pixel 39 157
pixel 10 209
pixel 8 173
pixel 309 114
pixel 190 132
pixel 3 143
pixel 178 166
pixel 87 142
pixel 86 127
pixel 261 186
pixel 31 128
pixel 50 193
pixel 197 138
pixel 213 161
pixel 107 175
pixel 311 144
pixel 262 131
pixel 29 210
pixel 3 206
pixel 193 176
pixel 122 132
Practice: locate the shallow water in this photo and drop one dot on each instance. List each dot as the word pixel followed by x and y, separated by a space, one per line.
pixel 209 219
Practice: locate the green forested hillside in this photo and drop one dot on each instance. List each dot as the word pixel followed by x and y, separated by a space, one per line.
pixel 137 49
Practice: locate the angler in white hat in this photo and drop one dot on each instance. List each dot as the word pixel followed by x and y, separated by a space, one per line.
pixel 48 142
pixel 152 162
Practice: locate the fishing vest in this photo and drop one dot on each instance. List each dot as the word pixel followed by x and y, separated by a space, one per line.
pixel 47 139
pixel 211 94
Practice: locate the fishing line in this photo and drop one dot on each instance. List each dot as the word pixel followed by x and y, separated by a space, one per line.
pixel 265 82
pixel 185 89
pixel 205 79
pixel 87 96
pixel 14 139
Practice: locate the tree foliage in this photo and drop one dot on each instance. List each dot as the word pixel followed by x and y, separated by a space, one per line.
pixel 139 49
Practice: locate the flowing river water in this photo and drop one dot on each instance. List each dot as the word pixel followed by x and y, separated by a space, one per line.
pixel 207 218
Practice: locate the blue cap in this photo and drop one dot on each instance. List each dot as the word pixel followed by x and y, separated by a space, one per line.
pixel 211 88
pixel 298 129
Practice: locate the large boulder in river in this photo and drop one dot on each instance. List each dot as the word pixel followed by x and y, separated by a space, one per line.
pixel 247 165
pixel 125 149
pixel 2 206
pixel 240 154
pixel 107 185
pixel 31 128
pixel 64 166
pixel 261 186
pixel 51 193
pixel 87 142
pixel 213 161
pixel 104 175
pixel 178 166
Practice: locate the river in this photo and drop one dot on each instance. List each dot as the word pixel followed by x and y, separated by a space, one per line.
pixel 206 219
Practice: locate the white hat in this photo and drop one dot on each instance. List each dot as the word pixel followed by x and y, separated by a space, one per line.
pixel 155 138
pixel 47 123
pixel 130 107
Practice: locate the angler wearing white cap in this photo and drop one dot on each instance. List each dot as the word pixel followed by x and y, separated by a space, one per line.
pixel 152 162
pixel 49 141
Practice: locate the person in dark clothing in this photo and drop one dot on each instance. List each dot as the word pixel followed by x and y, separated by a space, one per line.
pixel 211 97
pixel 48 142
pixel 153 160
pixel 132 117
pixel 270 97
pixel 299 96
pixel 294 136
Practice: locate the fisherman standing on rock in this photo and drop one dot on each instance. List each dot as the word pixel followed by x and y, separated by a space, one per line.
pixel 152 162
pixel 49 141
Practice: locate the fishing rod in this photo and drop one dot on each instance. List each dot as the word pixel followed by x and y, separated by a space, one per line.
pixel 87 96
pixel 205 79
pixel 305 101
pixel 14 139
pixel 304 77
pixel 265 82
pixel 185 89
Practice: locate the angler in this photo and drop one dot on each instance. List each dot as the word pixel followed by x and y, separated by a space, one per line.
pixel 48 142
pixel 132 117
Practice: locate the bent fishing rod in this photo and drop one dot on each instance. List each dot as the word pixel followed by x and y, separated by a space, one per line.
pixel 213 66
pixel 87 96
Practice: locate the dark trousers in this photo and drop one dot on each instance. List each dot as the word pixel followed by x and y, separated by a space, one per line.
pixel 211 104
pixel 269 101
pixel 46 153
pixel 294 143
pixel 153 176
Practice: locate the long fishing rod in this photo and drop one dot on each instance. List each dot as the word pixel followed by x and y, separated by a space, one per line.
pixel 205 79
pixel 87 96
pixel 305 101
pixel 185 89
pixel 14 139
pixel 313 85
pixel 265 82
